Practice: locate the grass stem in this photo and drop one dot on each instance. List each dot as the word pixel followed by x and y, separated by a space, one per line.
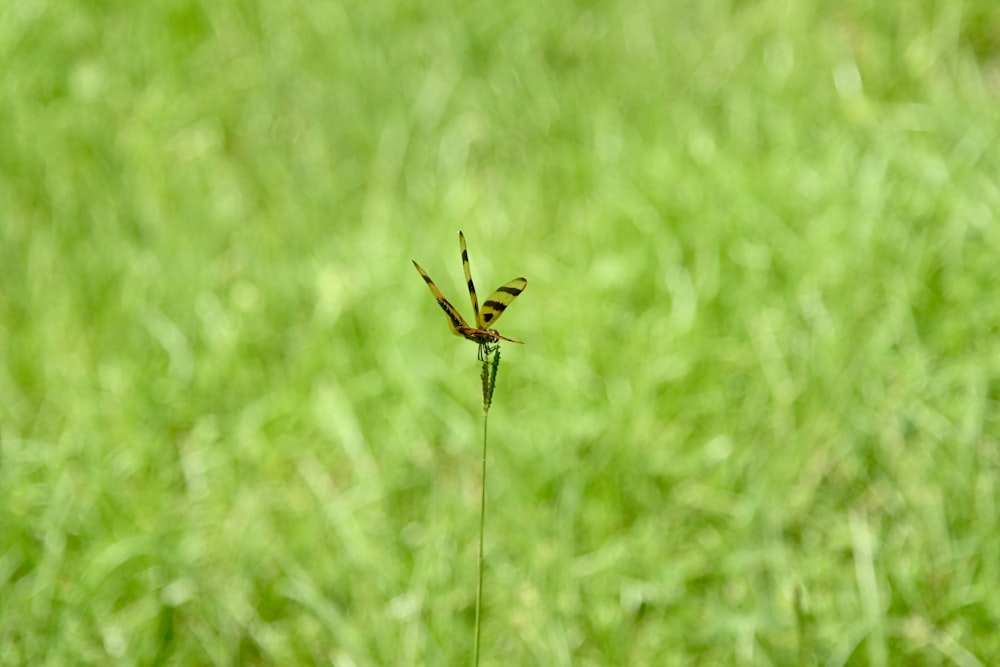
pixel 491 363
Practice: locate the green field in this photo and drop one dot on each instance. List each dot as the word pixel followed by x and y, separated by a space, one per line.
pixel 756 420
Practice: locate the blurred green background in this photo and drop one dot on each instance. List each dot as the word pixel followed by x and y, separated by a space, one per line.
pixel 755 420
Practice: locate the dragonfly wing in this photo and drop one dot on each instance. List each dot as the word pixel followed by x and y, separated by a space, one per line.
pixel 455 319
pixel 468 281
pixel 497 303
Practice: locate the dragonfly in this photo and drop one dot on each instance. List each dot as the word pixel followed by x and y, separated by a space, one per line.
pixel 487 338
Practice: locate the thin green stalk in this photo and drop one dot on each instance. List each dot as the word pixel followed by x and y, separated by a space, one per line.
pixel 489 376
pixel 479 564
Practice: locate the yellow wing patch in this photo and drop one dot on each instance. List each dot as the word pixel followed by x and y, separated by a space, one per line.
pixel 497 302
